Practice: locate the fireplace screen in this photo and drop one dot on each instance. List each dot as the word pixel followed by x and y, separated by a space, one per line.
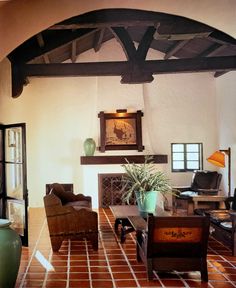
pixel 110 190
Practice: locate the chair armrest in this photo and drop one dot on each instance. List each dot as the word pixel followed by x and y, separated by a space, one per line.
pixel 181 188
pixel 207 190
pixel 203 191
pixel 80 197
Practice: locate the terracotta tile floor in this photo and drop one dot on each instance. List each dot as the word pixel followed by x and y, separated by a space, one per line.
pixel 113 265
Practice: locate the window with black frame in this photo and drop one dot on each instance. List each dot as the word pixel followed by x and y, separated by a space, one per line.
pixel 186 157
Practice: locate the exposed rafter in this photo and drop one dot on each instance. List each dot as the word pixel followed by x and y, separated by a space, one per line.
pixel 196 46
pixel 175 48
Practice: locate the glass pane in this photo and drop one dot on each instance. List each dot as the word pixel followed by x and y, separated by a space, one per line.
pixel 192 165
pixel 178 156
pixel 192 156
pixel 16 214
pixel 14 180
pixel 192 147
pixel 13 146
pixel 178 165
pixel 177 147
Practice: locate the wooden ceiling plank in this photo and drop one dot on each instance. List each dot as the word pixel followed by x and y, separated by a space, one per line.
pixel 34 54
pixel 73 51
pixel 209 50
pixel 42 45
pixel 175 48
pixel 217 50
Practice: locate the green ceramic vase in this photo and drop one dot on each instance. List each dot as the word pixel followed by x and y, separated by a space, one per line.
pixel 89 147
pixel 10 254
pixel 148 205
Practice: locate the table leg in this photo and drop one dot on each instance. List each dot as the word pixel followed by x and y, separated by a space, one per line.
pixel 117 223
pixel 124 231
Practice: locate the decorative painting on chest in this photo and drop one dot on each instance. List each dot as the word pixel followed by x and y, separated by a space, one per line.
pixel 120 130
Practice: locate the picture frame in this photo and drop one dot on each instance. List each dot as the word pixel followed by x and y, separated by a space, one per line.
pixel 121 130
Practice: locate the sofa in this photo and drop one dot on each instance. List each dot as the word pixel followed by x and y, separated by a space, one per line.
pixel 70 216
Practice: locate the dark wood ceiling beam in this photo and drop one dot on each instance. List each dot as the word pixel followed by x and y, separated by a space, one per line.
pixel 98 37
pixel 131 72
pixel 222 38
pixel 125 41
pixel 145 43
pixel 175 48
pixel 127 23
pixel 118 68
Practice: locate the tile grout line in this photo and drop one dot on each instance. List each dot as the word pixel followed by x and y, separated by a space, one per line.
pixel 225 260
pixel 123 252
pixel 88 264
pixel 68 265
pixel 158 278
pixel 105 253
pixel 46 274
pixel 33 253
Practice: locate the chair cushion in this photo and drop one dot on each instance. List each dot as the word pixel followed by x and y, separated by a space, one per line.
pixel 226 225
pixel 65 196
pixel 82 203
pixel 188 194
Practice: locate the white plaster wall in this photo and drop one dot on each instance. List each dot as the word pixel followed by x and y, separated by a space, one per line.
pixel 60 113
pixel 226 103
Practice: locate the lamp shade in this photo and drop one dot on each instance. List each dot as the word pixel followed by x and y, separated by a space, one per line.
pixel 217 158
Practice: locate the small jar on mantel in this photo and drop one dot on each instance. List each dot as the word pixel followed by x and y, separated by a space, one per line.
pixel 89 147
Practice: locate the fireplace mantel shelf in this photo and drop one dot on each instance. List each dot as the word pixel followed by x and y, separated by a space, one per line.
pixel 119 159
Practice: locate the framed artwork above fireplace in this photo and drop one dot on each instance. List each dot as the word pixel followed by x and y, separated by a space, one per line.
pixel 121 131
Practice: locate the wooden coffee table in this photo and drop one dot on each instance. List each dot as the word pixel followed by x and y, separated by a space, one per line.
pixel 121 214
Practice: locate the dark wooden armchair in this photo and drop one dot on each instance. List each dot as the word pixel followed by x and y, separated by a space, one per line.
pixel 206 183
pixel 203 183
pixel 70 216
pixel 174 243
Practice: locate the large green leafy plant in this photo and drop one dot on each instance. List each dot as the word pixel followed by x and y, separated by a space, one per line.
pixel 143 178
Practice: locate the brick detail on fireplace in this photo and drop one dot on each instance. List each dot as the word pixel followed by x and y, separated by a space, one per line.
pixel 109 189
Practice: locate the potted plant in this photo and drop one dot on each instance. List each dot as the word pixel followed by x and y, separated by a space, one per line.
pixel 146 183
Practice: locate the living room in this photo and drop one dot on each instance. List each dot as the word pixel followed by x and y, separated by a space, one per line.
pixel 60 113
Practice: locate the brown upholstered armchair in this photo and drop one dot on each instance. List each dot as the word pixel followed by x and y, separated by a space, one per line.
pixel 174 243
pixel 70 216
pixel 66 195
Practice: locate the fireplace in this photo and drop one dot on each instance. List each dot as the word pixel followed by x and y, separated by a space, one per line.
pixel 110 189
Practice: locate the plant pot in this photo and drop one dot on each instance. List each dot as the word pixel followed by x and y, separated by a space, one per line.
pixel 148 205
pixel 89 147
pixel 10 254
